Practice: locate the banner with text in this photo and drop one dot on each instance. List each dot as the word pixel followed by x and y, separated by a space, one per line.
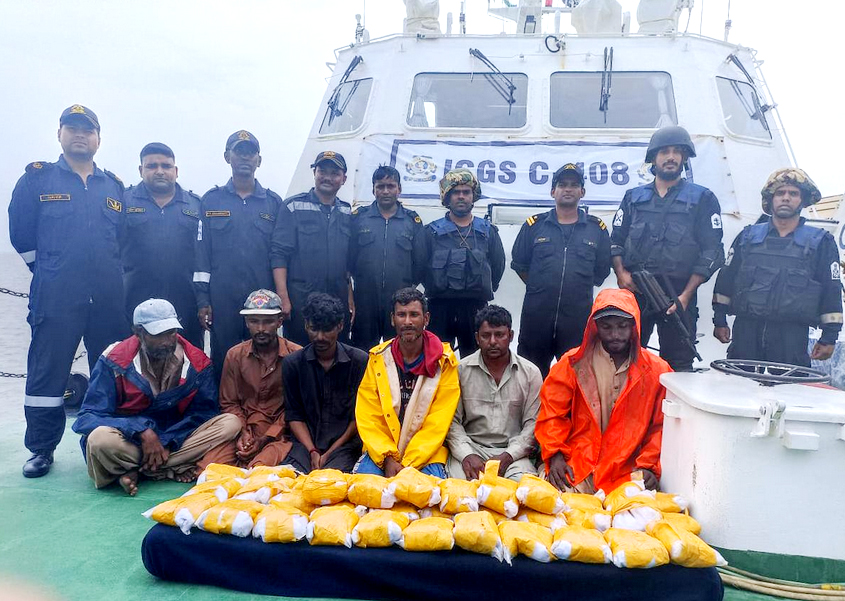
pixel 521 171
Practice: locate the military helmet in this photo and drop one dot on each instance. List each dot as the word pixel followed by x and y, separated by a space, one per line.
pixel 672 135
pixel 459 177
pixel 790 176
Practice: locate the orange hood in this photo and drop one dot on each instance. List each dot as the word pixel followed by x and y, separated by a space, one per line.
pixel 611 297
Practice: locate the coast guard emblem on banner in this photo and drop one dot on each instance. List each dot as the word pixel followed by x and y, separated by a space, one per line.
pixel 421 169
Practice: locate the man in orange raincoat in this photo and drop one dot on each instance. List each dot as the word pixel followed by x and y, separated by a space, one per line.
pixel 601 412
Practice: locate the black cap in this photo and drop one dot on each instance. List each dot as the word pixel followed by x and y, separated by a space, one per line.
pixel 157 148
pixel 239 137
pixel 569 168
pixel 77 112
pixel 333 157
pixel 612 312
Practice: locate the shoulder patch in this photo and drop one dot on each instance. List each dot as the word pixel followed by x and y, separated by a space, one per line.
pixel 218 214
pixel 533 219
pixel 38 167
pixel 417 219
pixel 135 210
pixel 835 271
pixel 190 213
pixel 618 218
pixel 114 205
pixel 597 220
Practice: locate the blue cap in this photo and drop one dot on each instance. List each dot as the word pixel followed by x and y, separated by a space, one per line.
pixel 239 137
pixel 77 112
pixel 569 169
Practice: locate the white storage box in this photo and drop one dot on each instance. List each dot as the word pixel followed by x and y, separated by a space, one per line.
pixel 763 466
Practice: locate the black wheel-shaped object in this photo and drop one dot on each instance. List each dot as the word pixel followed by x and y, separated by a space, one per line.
pixel 769 373
pixel 556 43
pixel 77 386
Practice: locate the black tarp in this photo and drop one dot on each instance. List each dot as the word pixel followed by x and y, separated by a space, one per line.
pixel 300 570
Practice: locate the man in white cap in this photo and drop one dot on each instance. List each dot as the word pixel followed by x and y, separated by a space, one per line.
pixel 151 407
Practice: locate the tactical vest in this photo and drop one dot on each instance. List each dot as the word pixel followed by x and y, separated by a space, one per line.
pixel 460 269
pixel 775 280
pixel 661 238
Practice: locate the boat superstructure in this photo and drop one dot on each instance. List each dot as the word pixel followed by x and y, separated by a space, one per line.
pixel 515 107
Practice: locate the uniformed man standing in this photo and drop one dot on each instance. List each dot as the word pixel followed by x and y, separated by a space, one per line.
pixel 465 262
pixel 560 255
pixel 781 277
pixel 233 248
pixel 66 220
pixel 672 228
pixel 386 254
pixel 311 246
pixel 162 223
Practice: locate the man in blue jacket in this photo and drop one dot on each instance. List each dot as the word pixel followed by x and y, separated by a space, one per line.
pixel 151 407
pixel 66 220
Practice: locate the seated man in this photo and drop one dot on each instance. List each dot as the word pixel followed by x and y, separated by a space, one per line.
pixel 251 388
pixel 408 396
pixel 151 406
pixel 500 397
pixel 601 414
pixel 320 382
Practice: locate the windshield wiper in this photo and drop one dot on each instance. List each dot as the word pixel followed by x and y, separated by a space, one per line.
pixel 334 100
pixel 606 81
pixel 758 112
pixel 500 82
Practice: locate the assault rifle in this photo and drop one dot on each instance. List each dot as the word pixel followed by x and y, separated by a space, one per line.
pixel 658 302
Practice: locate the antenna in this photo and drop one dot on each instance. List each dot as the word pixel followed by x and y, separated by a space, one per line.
pixel 463 18
pixel 728 22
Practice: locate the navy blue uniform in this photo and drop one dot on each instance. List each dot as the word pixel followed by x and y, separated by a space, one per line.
pixel 159 254
pixel 778 287
pixel 68 232
pixel 676 236
pixel 233 259
pixel 312 241
pixel 563 262
pixel 464 268
pixel 385 255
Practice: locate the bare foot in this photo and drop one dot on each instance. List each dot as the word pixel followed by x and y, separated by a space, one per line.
pixel 187 476
pixel 129 482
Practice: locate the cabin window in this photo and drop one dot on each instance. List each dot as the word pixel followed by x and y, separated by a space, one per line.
pixel 347 108
pixel 469 100
pixel 635 100
pixel 741 107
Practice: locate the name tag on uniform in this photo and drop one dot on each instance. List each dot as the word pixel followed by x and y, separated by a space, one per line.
pixel 590 243
pixel 54 197
pixel 541 240
pixel 113 204
pixel 136 210
pixel 267 216
pixel 190 213
pixel 218 214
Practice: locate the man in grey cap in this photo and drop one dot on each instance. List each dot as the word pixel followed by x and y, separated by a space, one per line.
pixel 233 248
pixel 151 407
pixel 311 246
pixel 251 388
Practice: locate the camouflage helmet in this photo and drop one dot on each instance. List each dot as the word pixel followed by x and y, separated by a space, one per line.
pixel 672 135
pixel 789 176
pixel 459 177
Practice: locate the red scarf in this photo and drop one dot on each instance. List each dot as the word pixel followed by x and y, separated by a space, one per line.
pixel 432 351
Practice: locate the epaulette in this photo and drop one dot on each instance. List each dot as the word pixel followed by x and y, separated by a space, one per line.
pixel 595 219
pixel 115 178
pixel 414 215
pixel 295 197
pixel 38 168
pixel 214 189
pixel 192 194
pixel 274 195
pixel 533 219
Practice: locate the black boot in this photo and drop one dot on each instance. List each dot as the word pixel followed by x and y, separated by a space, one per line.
pixel 38 465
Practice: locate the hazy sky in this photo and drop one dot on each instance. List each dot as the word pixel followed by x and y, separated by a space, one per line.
pixel 190 72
